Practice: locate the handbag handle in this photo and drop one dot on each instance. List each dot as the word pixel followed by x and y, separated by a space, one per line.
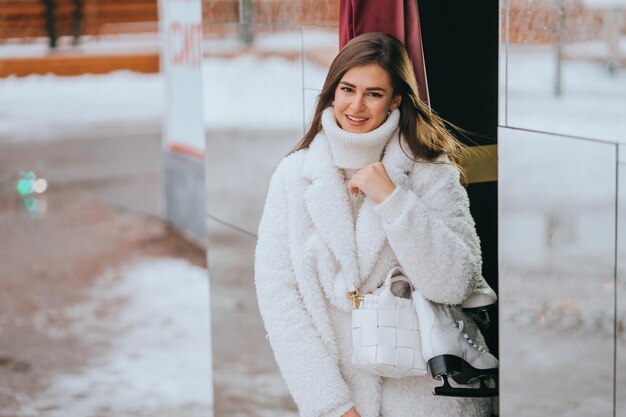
pixel 389 279
pixel 396 270
pixel 391 272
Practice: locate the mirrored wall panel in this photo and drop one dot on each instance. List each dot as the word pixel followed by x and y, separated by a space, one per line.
pixel 261 82
pixel 620 338
pixel 566 67
pixel 502 55
pixel 253 114
pixel 557 211
pixel 320 45
pixel 310 101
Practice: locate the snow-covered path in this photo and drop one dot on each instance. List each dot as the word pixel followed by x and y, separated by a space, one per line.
pixel 152 318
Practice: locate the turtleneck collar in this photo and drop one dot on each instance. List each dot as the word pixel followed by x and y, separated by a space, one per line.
pixel 355 150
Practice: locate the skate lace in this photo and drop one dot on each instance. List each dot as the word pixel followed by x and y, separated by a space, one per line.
pixel 481 285
pixel 460 326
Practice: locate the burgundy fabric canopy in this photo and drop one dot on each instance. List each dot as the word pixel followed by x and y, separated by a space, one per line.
pixel 399 18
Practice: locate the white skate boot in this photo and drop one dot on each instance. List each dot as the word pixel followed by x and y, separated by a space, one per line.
pixel 451 352
pixel 482 296
pixel 482 299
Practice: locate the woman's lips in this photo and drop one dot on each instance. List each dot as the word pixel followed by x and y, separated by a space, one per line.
pixel 356 121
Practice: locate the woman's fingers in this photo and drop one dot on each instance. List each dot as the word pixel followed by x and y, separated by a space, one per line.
pixel 353 188
pixel 351 413
pixel 372 181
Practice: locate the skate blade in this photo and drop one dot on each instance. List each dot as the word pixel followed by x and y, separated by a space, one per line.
pixel 457 368
pixel 469 375
pixel 483 391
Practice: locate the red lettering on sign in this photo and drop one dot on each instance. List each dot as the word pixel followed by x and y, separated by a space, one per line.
pixel 185 44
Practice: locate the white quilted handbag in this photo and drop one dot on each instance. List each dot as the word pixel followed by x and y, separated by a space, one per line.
pixel 385 330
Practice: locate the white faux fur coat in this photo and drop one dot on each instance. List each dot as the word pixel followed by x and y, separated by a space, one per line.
pixel 307 241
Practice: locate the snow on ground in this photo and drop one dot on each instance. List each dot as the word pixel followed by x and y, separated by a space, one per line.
pixel 46 107
pixel 283 41
pixel 158 361
pixel 100 44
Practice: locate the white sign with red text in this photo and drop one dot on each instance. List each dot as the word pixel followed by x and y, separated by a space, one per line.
pixel 181 61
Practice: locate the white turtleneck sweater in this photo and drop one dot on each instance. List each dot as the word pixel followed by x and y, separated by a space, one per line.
pixel 353 151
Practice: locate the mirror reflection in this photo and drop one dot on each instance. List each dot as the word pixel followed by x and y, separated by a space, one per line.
pixel 620 337
pixel 257 92
pixel 565 67
pixel 557 274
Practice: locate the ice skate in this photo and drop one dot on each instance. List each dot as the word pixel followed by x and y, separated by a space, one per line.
pixel 451 352
pixel 479 303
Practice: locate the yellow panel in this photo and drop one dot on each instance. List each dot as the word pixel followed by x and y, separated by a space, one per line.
pixel 480 164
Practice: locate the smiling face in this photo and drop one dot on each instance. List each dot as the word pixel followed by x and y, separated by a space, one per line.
pixel 363 98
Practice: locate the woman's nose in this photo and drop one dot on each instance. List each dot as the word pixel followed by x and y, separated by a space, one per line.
pixel 359 102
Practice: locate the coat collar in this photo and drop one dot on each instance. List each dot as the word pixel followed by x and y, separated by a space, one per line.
pixel 370 236
pixel 327 202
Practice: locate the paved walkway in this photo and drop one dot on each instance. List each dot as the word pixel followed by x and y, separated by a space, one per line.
pixel 99 214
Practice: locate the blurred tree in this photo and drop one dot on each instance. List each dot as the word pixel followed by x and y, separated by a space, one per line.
pixel 246 21
pixel 51 22
pixel 77 20
pixel 613 28
pixel 558 48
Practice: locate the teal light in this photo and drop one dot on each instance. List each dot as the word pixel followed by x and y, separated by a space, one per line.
pixel 26 183
pixel 24 186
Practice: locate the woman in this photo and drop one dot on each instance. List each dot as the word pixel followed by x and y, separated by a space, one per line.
pixel 369 186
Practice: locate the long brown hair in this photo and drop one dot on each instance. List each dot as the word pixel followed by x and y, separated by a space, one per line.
pixel 423 131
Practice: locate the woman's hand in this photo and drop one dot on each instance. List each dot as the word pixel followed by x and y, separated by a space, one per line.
pixel 373 181
pixel 351 413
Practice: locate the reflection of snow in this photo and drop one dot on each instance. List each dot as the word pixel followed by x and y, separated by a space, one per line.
pixel 603 3
pixel 244 92
pixel 557 329
pixel 249 92
pixel 159 361
pixel 283 41
pixel 560 301
pixel 592 50
pixel 592 104
pixel 240 93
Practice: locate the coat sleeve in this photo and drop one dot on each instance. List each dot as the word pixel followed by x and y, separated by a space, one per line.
pixel 433 235
pixel 310 372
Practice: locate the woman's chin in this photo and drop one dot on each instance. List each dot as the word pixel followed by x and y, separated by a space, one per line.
pixel 364 128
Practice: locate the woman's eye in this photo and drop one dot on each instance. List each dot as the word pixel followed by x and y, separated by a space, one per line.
pixel 375 95
pixel 346 89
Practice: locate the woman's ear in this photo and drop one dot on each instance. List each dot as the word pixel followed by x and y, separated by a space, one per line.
pixel 395 102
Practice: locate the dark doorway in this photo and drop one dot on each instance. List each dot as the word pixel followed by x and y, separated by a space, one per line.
pixel 460 40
